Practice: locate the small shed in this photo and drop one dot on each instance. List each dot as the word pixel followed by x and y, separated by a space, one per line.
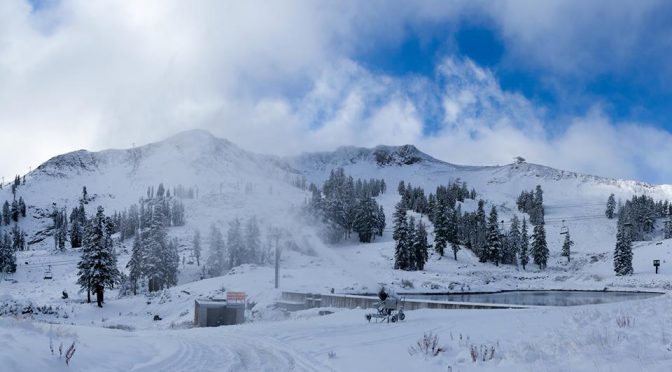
pixel 218 312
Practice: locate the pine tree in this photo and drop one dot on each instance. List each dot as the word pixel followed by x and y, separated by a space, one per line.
pixel 75 235
pixel 402 251
pixel 611 206
pixel 420 246
pixel 98 265
pixel 623 252
pixel 7 254
pixel 22 207
pixel 494 242
pixel 6 213
pixel 365 219
pixel 440 229
pixel 410 243
pixel 235 244
pixel 380 221
pixel 216 261
pixel 170 264
pixel 155 247
pixel 539 248
pixel 566 246
pixel 177 213
pixel 514 242
pixel 253 241
pixel 197 247
pixel 136 264
pixel 15 211
pixel 480 233
pixel 456 248
pixel 668 229
pixel 524 255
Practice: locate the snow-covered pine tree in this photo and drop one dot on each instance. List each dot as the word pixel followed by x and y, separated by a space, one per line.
pixel 380 221
pixel 623 252
pixel 494 240
pixel 456 248
pixel 611 207
pixel 216 262
pixel 7 254
pixel 22 207
pixel 365 219
pixel 160 191
pixel 76 228
pixel 524 253
pixel 98 265
pixel 170 263
pixel 567 246
pixel 18 238
pixel 177 213
pixel 155 246
pixel 440 228
pixel 253 241
pixel 668 229
pixel 235 244
pixel 480 232
pixel 539 247
pixel 197 247
pixel 15 211
pixel 402 251
pixel 6 213
pixel 410 243
pixel 136 264
pixel 420 246
pixel 514 240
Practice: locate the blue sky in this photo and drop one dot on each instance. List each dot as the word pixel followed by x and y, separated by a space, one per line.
pixel 634 90
pixel 576 85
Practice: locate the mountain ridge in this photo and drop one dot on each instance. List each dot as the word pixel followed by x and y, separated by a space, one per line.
pixel 206 152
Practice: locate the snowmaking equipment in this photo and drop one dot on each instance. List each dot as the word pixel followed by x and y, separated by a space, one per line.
pixel 388 309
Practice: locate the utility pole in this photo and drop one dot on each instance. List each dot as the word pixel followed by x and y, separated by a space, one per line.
pixel 277 262
pixel 276 234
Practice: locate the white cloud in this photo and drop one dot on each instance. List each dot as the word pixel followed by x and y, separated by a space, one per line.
pixel 278 77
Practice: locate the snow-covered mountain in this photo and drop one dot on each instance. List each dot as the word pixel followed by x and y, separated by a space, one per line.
pixel 192 159
pixel 214 166
pixel 396 163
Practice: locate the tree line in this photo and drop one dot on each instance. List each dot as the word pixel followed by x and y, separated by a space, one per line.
pixel 483 235
pixel 532 203
pixel 243 245
pixel 346 206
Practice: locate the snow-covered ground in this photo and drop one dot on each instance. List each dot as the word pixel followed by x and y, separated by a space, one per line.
pixel 123 336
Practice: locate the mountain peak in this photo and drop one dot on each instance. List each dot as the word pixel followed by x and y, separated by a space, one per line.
pixel 381 156
pixel 190 135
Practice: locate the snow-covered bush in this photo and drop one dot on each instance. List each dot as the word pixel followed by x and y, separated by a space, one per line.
pixel 405 283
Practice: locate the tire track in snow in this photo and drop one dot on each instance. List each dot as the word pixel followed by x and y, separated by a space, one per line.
pixel 225 353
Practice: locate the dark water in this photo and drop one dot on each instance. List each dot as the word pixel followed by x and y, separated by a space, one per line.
pixel 537 298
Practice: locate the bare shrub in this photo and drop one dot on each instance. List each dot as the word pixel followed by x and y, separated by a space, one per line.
pixel 625 321
pixel 405 283
pixel 69 353
pixel 428 345
pixel 482 352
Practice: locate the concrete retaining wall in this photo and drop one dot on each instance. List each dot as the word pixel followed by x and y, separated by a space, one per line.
pixel 311 300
